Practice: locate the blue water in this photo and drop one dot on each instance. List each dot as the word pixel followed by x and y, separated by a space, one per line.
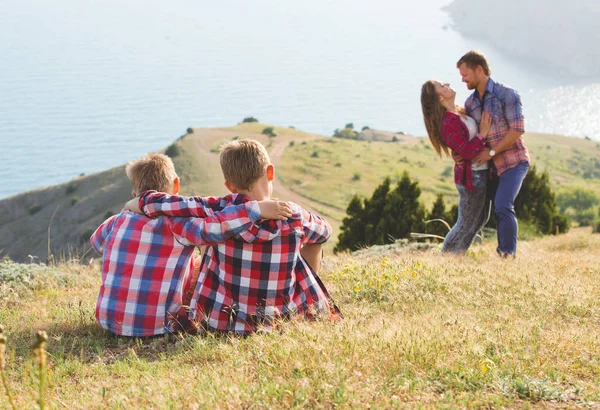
pixel 88 85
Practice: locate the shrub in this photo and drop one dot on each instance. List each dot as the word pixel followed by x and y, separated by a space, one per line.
pixel 338 164
pixel 292 143
pixel 356 176
pixel 269 131
pixel 86 234
pixel 172 151
pixel 315 154
pixel 34 209
pixel 71 188
pixel 388 215
pixel 250 119
pixel 236 138
pixel 74 200
pixel 190 130
pixel 596 226
pixel 394 139
pixel 349 125
pixel 366 127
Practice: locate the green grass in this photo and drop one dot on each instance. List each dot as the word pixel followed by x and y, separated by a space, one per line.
pixel 421 331
pixel 320 179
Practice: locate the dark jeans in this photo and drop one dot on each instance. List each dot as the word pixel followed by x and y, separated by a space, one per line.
pixel 473 214
pixel 504 205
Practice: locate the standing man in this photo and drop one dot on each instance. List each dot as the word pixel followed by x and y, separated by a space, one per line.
pixel 505 141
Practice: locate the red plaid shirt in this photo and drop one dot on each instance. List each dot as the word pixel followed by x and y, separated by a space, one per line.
pixel 244 284
pixel 504 104
pixel 456 137
pixel 146 262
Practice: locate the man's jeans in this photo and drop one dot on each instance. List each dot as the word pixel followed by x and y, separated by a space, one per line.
pixel 473 214
pixel 504 206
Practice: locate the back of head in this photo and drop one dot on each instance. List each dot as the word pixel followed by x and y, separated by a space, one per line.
pixel 433 113
pixel 243 162
pixel 152 172
pixel 473 59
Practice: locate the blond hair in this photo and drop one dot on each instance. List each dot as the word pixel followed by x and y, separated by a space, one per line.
pixel 152 172
pixel 474 58
pixel 243 162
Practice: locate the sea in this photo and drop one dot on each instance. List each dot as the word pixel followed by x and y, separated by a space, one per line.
pixel 86 85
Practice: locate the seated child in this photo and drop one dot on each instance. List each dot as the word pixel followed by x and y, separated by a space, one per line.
pixel 146 262
pixel 245 284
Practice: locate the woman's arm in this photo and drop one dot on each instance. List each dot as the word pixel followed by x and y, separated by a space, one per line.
pixel 456 136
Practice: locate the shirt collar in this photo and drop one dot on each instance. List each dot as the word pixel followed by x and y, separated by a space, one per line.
pixel 489 88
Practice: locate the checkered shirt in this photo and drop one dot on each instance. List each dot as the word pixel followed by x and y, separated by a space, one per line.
pixel 146 262
pixel 244 284
pixel 504 104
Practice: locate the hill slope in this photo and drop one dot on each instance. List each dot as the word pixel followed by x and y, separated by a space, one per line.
pixel 320 173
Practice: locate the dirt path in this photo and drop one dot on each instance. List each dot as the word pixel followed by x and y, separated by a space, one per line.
pixel 204 143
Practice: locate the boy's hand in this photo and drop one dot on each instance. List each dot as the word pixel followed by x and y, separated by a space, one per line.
pixel 272 209
pixel 133 206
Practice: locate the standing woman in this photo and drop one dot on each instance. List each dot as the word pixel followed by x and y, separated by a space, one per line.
pixel 450 128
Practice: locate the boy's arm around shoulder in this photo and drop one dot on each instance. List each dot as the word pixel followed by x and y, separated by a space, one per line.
pixel 154 204
pixel 217 228
pixel 99 237
pixel 316 228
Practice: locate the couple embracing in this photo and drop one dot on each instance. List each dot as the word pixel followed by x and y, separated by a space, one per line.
pixel 485 139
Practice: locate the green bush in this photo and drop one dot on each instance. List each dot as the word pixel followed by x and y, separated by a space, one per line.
pixel 315 154
pixel 356 176
pixel 34 209
pixel 366 127
pixel 387 216
pixel 596 226
pixel 269 132
pixel 74 200
pixel 250 119
pixel 71 188
pixel 173 151
pixel 292 143
pixel 86 234
pixel 394 139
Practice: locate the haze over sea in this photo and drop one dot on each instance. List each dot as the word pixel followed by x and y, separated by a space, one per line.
pixel 88 85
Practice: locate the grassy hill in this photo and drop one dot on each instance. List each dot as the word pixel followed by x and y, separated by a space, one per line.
pixel 318 172
pixel 420 331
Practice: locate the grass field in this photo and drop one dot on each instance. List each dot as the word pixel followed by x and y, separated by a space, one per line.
pixel 332 170
pixel 421 331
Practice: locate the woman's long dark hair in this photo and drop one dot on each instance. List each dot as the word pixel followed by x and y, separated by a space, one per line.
pixel 433 113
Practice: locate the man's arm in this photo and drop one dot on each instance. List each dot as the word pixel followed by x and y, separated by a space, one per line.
pixel 99 237
pixel 513 112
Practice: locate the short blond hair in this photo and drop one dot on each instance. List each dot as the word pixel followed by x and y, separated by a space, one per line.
pixel 152 172
pixel 243 162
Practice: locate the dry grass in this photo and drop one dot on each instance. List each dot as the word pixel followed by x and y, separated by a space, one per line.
pixel 421 331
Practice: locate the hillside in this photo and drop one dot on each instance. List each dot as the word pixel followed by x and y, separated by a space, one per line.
pixel 420 331
pixel 318 172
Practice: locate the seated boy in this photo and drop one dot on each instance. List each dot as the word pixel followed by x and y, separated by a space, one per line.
pixel 146 262
pixel 243 284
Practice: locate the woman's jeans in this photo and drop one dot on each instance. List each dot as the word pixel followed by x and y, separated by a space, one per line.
pixel 504 205
pixel 473 214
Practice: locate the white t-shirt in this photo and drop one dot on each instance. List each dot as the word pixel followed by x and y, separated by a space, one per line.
pixel 472 127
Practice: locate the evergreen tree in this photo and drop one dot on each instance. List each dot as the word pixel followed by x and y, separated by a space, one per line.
pixel 438 211
pixel 352 230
